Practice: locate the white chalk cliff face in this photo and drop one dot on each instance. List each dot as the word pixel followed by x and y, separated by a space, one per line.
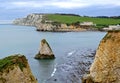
pixel 30 20
pixel 106 65
pixel 45 51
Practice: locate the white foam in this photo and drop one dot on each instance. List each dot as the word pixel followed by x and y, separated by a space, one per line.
pixel 72 52
pixel 53 73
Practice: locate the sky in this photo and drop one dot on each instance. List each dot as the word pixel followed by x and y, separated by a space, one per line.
pixel 12 9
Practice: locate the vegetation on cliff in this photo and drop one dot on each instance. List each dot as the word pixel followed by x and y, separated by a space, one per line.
pixel 73 19
pixel 13 60
pixel 15 69
pixel 69 19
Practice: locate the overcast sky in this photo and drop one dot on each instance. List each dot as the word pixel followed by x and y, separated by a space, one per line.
pixel 11 9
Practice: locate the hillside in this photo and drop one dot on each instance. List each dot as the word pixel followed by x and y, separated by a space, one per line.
pixel 65 22
pixel 72 19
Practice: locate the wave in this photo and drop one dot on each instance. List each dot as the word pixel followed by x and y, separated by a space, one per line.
pixel 71 53
pixel 54 71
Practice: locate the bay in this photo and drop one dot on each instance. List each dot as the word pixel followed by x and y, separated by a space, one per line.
pixel 26 40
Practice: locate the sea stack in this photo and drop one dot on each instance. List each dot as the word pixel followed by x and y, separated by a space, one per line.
pixel 45 51
pixel 106 65
pixel 15 69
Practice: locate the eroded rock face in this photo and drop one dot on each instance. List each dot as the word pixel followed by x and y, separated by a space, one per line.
pixel 45 51
pixel 106 65
pixel 15 69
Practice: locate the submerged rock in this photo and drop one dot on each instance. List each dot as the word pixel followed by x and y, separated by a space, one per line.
pixel 15 69
pixel 106 66
pixel 45 51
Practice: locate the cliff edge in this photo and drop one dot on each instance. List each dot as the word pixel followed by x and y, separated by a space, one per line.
pixel 43 23
pixel 15 69
pixel 106 65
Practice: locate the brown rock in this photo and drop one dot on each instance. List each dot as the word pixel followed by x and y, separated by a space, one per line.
pixel 15 69
pixel 45 51
pixel 106 66
pixel 87 79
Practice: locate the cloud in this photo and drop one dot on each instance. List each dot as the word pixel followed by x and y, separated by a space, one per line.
pixel 27 4
pixel 69 5
pixel 64 4
pixel 10 9
pixel 53 3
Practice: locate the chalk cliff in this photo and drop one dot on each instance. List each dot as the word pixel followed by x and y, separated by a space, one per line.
pixel 30 20
pixel 45 51
pixel 106 65
pixel 15 69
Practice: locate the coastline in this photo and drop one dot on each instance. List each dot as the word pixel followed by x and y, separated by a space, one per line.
pixel 43 23
pixel 63 44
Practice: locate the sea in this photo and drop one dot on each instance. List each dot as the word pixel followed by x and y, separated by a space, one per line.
pixel 68 48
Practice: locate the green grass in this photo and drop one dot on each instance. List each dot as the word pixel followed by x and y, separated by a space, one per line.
pixel 72 19
pixel 13 60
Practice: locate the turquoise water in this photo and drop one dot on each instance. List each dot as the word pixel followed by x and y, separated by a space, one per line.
pixel 25 40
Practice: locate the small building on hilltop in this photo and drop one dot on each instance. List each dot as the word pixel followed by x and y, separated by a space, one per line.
pixel 87 24
pixel 112 27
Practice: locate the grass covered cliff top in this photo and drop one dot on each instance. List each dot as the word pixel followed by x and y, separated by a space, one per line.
pixel 74 18
pixel 100 22
pixel 17 59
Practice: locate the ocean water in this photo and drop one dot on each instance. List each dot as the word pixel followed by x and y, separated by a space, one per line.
pixel 26 40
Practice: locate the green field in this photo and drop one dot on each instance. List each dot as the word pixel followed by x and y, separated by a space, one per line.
pixel 72 19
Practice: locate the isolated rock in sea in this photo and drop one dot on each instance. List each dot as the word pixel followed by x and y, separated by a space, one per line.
pixel 45 51
pixel 15 69
pixel 106 65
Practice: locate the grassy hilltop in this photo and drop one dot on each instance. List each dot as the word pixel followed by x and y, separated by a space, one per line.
pixel 69 19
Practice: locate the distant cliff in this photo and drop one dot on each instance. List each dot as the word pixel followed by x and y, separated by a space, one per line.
pixel 106 65
pixel 15 69
pixel 43 23
pixel 30 20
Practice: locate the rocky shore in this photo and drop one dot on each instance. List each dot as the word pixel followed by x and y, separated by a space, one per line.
pixel 41 23
pixel 75 66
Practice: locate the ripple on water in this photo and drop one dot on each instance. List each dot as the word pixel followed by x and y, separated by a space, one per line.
pixel 76 65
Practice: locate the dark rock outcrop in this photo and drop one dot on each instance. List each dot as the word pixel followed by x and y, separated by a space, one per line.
pixel 15 69
pixel 45 51
pixel 106 65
